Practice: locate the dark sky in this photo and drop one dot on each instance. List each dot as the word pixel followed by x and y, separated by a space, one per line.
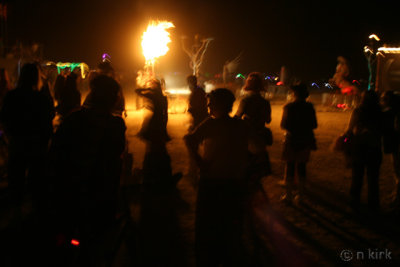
pixel 305 36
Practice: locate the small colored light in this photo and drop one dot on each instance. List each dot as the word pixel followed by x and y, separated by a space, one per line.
pixel 279 83
pixel 374 36
pixel 314 84
pixel 75 242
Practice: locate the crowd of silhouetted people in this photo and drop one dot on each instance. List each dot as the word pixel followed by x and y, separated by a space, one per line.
pixel 73 170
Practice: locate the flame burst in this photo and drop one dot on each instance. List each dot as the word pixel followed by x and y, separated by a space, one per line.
pixel 155 40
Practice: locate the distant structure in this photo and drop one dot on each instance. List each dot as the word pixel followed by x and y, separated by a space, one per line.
pixel 388 69
pixel 370 52
pixel 196 52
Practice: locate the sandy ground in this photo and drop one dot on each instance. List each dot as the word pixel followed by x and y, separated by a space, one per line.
pixel 321 231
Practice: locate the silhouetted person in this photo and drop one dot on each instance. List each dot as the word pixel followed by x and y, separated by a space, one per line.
pixel 197 107
pixel 220 199
pixel 86 154
pixel 69 97
pixel 157 163
pixel 58 86
pixel 299 121
pixel 27 119
pixel 366 126
pixel 197 102
pixel 105 68
pixel 391 136
pixel 256 112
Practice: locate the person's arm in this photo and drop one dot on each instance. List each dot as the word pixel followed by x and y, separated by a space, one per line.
pixel 193 140
pixel 145 92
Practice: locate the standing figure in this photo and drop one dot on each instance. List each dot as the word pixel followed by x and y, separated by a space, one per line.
pixel 221 193
pixel 366 126
pixel 198 110
pixel 157 163
pixel 68 97
pixel 256 112
pixel 105 68
pixel 86 153
pixel 197 102
pixel 299 121
pixel 27 117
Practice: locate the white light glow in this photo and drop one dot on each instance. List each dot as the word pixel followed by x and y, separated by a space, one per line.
pixel 155 40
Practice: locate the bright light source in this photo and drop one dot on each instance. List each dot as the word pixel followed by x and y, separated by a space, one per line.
pixel 155 40
pixel 178 91
pixel 390 50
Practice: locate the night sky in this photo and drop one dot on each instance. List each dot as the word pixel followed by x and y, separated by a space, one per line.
pixel 305 36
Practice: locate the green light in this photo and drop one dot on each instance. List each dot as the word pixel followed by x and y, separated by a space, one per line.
pixel 240 76
pixel 84 67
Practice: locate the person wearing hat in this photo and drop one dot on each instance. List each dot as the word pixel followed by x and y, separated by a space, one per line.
pixel 299 121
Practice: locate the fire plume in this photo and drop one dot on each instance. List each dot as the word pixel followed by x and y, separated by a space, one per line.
pixel 155 40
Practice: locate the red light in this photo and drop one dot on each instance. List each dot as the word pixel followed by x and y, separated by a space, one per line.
pixel 75 242
pixel 279 83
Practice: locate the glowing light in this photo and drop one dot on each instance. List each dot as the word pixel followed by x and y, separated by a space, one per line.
pixel 356 82
pixel 75 242
pixel 328 85
pixel 106 57
pixel 374 36
pixel 389 50
pixel 314 84
pixel 155 40
pixel 178 91
pixel 83 66
pixel 368 50
pixel 240 76
pixel 342 106
pixel 279 83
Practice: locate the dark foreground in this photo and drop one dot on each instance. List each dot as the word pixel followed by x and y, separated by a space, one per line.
pixel 156 227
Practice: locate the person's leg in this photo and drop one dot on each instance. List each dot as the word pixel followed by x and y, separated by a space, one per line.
pixel 16 172
pixel 208 225
pixel 289 177
pixel 356 183
pixel 301 173
pixel 373 185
